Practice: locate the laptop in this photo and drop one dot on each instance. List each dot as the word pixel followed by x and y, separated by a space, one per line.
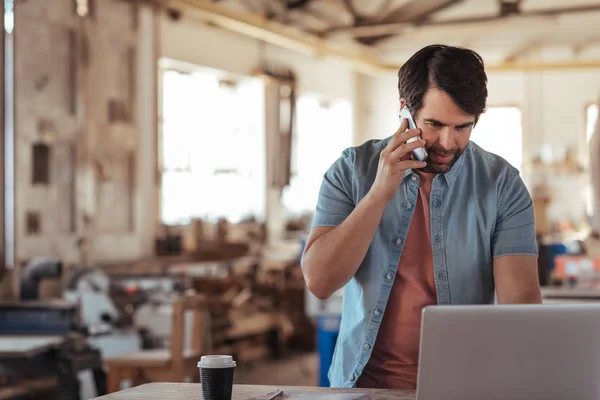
pixel 494 352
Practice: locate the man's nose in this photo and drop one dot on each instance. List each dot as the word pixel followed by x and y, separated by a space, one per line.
pixel 446 138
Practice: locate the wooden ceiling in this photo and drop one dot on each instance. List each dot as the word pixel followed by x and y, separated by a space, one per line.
pixel 377 36
pixel 502 30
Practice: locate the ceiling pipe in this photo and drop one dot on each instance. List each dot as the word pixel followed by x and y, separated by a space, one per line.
pixel 294 39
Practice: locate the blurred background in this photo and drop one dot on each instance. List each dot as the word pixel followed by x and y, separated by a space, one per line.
pixel 162 159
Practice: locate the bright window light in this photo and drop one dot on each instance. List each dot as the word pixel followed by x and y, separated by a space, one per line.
pixel 213 148
pixel 500 131
pixel 324 130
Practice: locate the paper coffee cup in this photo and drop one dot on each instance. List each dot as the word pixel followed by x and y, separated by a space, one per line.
pixel 216 376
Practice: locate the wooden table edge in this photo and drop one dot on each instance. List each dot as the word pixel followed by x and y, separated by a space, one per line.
pixel 246 391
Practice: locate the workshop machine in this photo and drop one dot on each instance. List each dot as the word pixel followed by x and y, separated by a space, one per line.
pixel 90 289
pixel 43 344
pixel 145 302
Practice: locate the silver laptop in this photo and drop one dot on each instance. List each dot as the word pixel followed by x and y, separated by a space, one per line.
pixel 495 352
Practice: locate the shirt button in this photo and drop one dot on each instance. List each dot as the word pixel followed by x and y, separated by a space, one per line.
pixel 352 378
pixel 414 178
pixel 436 202
pixel 437 238
pixel 440 275
pixel 398 241
pixel 388 276
pixel 376 312
pixel 408 205
pixel 367 346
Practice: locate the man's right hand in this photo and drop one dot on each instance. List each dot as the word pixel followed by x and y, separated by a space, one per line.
pixel 394 160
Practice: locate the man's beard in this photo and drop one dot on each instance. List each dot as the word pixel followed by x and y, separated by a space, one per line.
pixel 437 167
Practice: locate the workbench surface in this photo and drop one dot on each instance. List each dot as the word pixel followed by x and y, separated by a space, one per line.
pixel 13 346
pixel 192 391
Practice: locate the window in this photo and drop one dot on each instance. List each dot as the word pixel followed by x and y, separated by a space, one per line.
pixel 213 148
pixel 324 130
pixel 499 130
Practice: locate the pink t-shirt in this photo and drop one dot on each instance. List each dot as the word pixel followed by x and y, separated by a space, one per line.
pixel 394 360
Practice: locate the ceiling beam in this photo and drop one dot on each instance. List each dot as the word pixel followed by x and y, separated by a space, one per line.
pixel 544 66
pixel 551 12
pixel 398 26
pixel 260 28
pixel 351 10
pixel 520 51
pixel 335 15
pixel 417 10
pixel 269 31
pixel 580 46
pixel 297 4
pixel 414 11
pixel 370 30
pixel 383 9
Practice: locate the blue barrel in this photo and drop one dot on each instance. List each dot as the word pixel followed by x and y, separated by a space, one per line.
pixel 328 328
pixel 556 249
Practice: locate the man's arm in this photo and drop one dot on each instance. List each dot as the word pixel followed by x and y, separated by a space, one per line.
pixel 515 246
pixel 332 255
pixel 516 279
pixel 343 232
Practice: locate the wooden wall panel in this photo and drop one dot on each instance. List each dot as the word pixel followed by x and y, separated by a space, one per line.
pixel 77 88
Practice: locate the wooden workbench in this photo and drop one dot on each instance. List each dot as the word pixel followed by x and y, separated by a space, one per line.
pixel 557 295
pixel 27 346
pixel 189 391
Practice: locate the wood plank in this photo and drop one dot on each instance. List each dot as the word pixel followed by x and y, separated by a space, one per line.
pixel 184 391
pixel 28 388
pixel 256 324
pixel 254 353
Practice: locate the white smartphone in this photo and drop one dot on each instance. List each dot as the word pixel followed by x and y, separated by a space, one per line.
pixel 419 153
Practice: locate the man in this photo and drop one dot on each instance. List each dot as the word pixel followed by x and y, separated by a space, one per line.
pixel 399 234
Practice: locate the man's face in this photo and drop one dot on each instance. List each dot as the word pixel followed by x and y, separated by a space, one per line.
pixel 446 129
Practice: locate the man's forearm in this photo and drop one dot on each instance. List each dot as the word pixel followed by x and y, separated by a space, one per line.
pixel 516 279
pixel 333 259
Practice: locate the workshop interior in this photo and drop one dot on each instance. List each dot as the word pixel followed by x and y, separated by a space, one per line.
pixel 162 161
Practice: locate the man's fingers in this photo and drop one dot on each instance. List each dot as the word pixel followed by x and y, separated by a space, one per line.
pixel 406 148
pixel 400 138
pixel 403 126
pixel 410 164
pixel 396 141
pixel 404 136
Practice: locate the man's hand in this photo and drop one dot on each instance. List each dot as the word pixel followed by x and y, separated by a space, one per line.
pixel 394 160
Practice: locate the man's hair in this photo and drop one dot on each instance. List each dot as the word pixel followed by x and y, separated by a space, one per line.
pixel 455 70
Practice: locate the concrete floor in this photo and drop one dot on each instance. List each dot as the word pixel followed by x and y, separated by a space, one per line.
pixel 295 370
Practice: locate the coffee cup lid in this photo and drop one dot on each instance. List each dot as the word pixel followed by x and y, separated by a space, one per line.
pixel 216 361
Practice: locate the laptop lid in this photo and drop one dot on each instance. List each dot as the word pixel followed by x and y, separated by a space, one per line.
pixel 510 352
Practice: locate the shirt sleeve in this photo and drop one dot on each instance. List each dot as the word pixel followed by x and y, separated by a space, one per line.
pixel 335 200
pixel 515 223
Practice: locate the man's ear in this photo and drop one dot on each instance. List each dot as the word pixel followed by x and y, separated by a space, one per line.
pixel 402 102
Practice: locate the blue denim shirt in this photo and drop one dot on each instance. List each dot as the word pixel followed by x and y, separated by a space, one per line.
pixel 480 209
